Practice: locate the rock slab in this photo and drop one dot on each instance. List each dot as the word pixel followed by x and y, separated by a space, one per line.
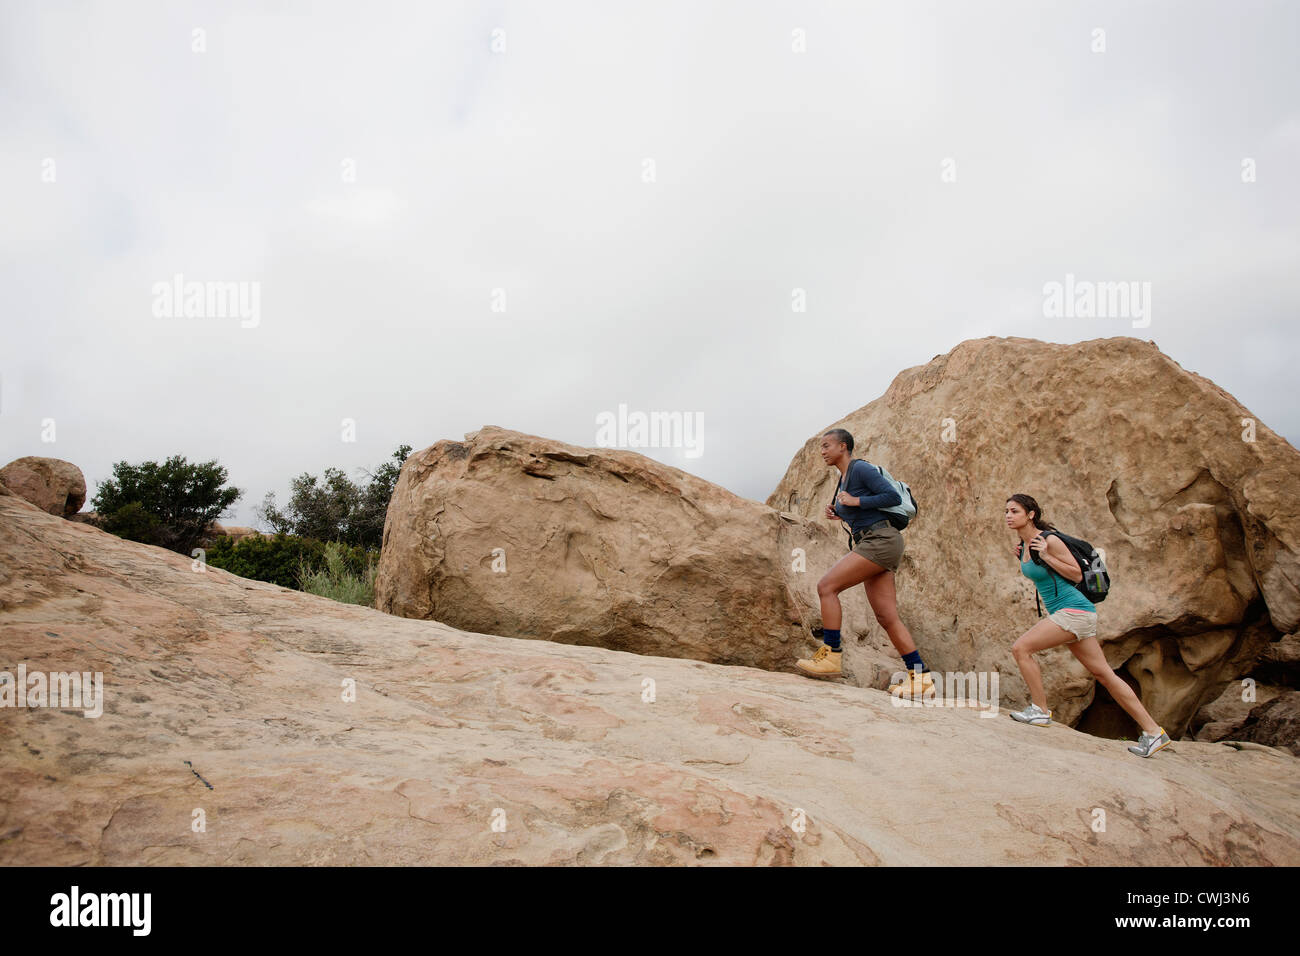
pixel 231 697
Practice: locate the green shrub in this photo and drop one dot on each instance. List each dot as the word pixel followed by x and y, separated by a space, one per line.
pixel 133 522
pixel 339 579
pixel 281 558
pixel 170 505
pixel 275 559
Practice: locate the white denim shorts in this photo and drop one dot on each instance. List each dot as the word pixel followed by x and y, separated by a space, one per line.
pixel 1079 623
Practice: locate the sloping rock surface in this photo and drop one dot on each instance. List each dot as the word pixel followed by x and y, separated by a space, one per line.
pixel 224 706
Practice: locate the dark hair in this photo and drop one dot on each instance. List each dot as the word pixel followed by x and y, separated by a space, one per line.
pixel 1029 504
pixel 839 434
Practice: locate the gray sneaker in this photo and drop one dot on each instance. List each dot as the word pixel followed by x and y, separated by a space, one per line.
pixel 1033 714
pixel 1149 743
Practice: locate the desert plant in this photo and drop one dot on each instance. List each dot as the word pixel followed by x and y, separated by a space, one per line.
pixel 282 558
pixel 170 505
pixel 339 579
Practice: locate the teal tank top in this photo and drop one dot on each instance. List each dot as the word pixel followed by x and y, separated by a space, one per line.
pixel 1055 590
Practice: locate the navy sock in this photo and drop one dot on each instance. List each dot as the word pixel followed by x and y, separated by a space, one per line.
pixel 914 662
pixel 832 638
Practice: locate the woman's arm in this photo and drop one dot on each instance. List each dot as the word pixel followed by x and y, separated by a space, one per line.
pixel 880 493
pixel 1059 559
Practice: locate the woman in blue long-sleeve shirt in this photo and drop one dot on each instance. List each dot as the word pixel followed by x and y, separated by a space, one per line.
pixel 876 550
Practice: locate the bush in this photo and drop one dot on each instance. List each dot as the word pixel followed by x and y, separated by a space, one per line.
pixel 338 579
pixel 280 558
pixel 170 505
pixel 133 522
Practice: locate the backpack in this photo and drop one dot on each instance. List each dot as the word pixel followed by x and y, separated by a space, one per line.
pixel 1095 583
pixel 899 515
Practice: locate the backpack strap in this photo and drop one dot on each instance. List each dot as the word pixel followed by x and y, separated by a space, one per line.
pixel 1020 555
pixel 1056 588
pixel 1034 556
pixel 836 493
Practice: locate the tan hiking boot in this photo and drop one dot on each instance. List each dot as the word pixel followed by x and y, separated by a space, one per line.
pixel 914 687
pixel 825 663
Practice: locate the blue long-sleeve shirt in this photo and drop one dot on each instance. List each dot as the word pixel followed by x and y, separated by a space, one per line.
pixel 863 481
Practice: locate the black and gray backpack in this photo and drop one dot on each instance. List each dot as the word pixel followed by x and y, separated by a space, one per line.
pixel 1095 584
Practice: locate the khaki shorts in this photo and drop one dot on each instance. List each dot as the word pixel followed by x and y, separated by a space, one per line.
pixel 881 543
pixel 1079 623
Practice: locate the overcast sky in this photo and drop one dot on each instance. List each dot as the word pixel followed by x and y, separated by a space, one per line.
pixel 646 183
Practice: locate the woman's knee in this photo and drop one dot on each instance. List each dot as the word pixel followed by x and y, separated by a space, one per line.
pixel 826 588
pixel 1020 649
pixel 1107 677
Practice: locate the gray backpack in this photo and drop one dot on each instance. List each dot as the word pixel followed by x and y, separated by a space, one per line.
pixel 899 515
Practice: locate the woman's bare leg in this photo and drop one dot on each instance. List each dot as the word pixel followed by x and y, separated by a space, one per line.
pixel 1088 653
pixel 847 571
pixel 1046 633
pixel 884 602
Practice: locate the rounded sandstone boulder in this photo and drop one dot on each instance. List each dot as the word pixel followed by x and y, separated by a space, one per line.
pixel 53 485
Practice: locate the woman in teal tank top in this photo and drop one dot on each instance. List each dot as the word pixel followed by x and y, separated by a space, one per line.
pixel 1053 588
pixel 1071 620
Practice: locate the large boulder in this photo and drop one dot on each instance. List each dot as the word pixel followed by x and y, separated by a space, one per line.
pixel 508 533
pixel 55 486
pixel 316 733
pixel 1195 502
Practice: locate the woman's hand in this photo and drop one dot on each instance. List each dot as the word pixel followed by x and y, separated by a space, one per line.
pixel 830 513
pixel 1038 543
pixel 846 499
